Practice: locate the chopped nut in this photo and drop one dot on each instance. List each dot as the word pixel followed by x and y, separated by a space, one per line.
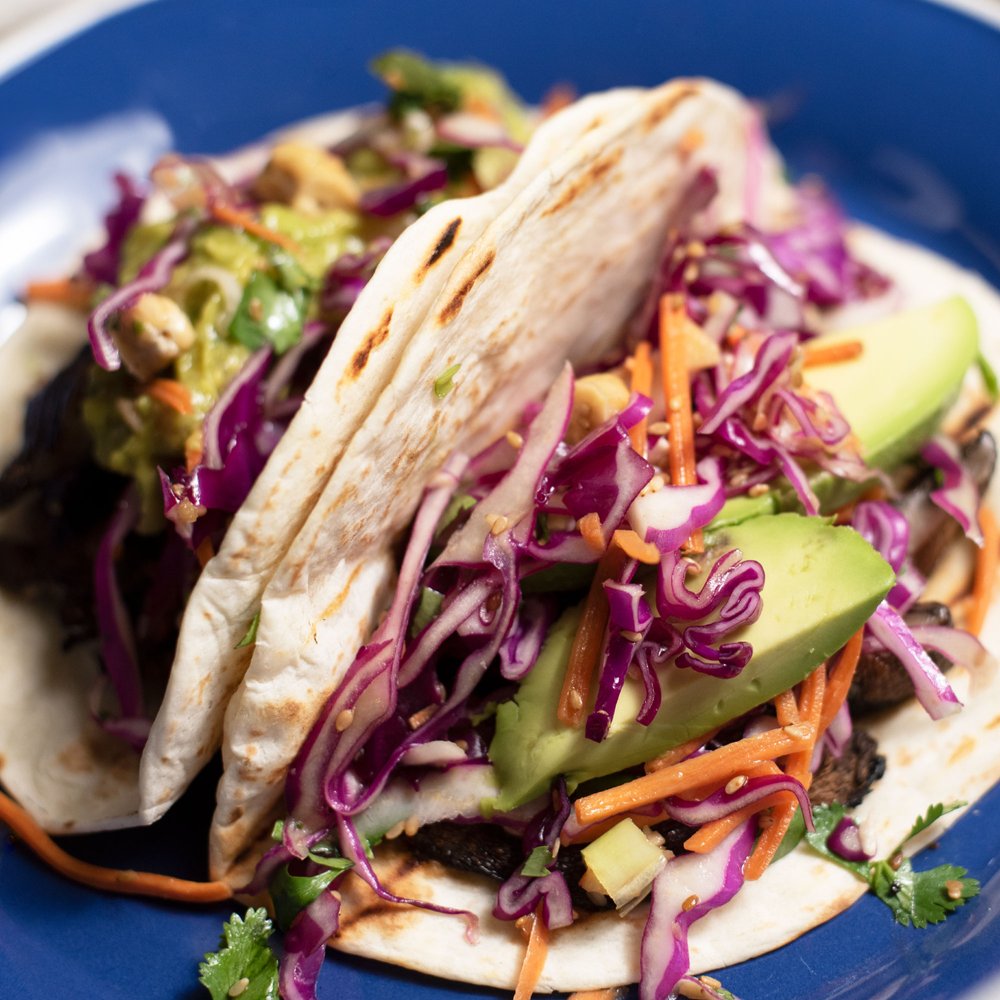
pixel 954 888
pixel 308 178
pixel 152 333
pixel 596 398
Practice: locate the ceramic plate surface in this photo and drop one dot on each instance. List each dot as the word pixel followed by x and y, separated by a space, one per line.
pixel 895 102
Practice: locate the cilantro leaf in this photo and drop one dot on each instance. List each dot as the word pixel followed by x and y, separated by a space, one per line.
pixel 250 636
pixel 267 314
pixel 243 954
pixel 537 865
pixel 444 383
pixel 916 898
pixel 293 893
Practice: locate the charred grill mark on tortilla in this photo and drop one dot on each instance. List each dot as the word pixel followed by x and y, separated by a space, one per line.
pixel 370 343
pixel 446 239
pixel 454 306
pixel 662 108
pixel 601 166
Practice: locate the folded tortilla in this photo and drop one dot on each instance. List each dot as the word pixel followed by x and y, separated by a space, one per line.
pixel 69 773
pixel 555 276
pixel 955 759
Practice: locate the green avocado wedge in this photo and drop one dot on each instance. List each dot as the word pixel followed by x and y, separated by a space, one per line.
pixel 893 395
pixel 821 584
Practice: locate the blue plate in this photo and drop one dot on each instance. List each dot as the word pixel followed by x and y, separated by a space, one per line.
pixel 894 101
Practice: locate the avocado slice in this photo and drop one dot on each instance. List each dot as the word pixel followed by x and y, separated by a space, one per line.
pixel 821 584
pixel 893 395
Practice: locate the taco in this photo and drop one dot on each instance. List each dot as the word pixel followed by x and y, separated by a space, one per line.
pixel 248 311
pixel 629 602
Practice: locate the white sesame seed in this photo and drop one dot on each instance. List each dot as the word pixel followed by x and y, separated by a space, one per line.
pixel 394 831
pixel 576 700
pixel 411 826
pixel 344 719
pixel 690 903
pixel 497 523
pixel 659 427
pixel 711 982
pixel 758 490
pixel 514 439
pixel 796 731
pixel 735 784
pixel 954 888
pixel 239 987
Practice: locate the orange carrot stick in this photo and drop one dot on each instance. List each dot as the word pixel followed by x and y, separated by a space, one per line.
pixel 635 548
pixel 125 881
pixel 986 570
pixel 642 381
pixel 798 767
pixel 588 641
pixel 677 393
pixel 534 957
pixel 817 353
pixel 171 393
pixel 63 292
pixel 838 683
pixel 234 217
pixel 712 834
pixel 717 765
pixel 678 753
pixel 590 528
pixel 787 708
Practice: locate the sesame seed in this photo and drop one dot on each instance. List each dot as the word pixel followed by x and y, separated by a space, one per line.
pixel 576 699
pixel 659 427
pixel 758 490
pixel 691 990
pixel 239 987
pixel 711 982
pixel 497 523
pixel 394 831
pixel 631 636
pixel 345 718
pixel 691 273
pixel 462 745
pixel 411 826
pixel 514 439
pixel 690 903
pixel 675 405
pixel 954 888
pixel 696 249
pixel 419 718
pixel 796 731
pixel 735 784
pixel 895 861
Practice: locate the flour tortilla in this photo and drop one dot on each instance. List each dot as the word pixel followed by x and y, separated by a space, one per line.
pixel 69 774
pixel 364 356
pixel 956 759
pixel 556 276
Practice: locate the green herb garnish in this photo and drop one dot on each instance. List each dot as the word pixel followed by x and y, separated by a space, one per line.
pixel 244 961
pixel 268 315
pixel 444 383
pixel 250 637
pixel 915 897
pixel 537 865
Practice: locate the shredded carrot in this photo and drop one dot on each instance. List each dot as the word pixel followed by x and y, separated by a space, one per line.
pixel 798 767
pixel 986 571
pixel 534 957
pixel 642 381
pixel 588 641
pixel 678 753
pixel 787 708
pixel 635 548
pixel 716 765
pixel 677 393
pixel 172 393
pixel 818 353
pixel 712 834
pixel 838 683
pixel 69 292
pixel 590 528
pixel 125 881
pixel 204 552
pixel 611 994
pixel 234 217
